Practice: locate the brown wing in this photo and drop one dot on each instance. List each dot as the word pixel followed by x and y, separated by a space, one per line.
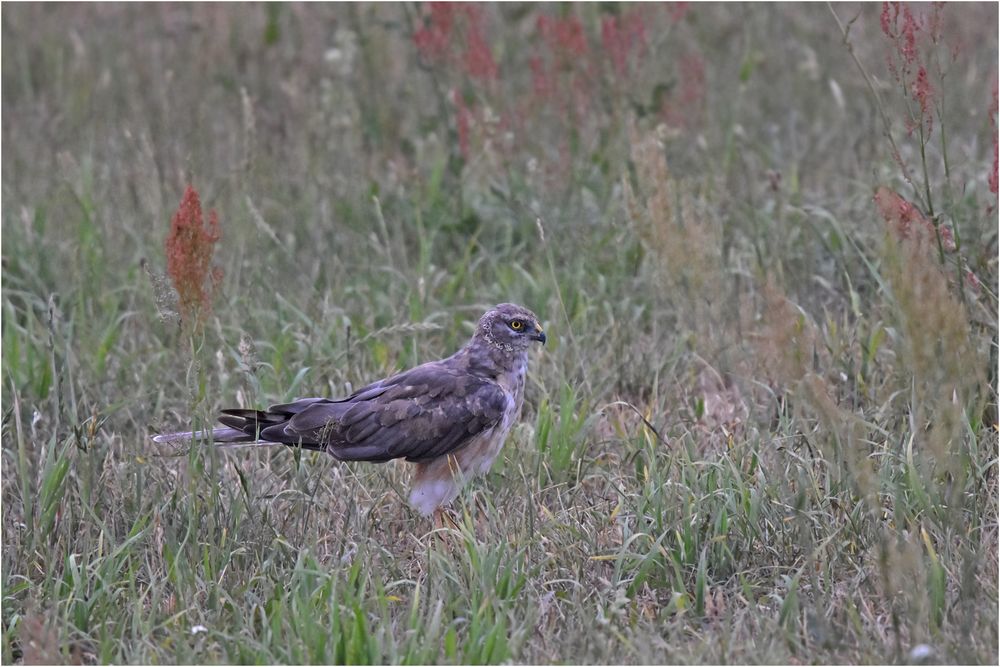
pixel 419 415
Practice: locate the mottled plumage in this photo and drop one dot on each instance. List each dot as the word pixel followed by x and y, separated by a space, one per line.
pixel 449 417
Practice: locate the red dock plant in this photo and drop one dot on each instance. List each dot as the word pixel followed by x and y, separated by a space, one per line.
pixel 907 225
pixel 444 27
pixel 190 246
pixel 913 40
pixel 624 38
pixel 906 222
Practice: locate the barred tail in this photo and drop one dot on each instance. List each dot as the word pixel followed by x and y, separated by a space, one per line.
pixel 220 435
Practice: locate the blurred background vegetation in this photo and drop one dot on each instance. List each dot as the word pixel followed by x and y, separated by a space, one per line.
pixel 687 194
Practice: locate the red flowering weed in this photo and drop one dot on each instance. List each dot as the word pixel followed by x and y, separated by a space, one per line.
pixel 455 33
pixel 912 42
pixel 906 222
pixel 433 40
pixel 190 246
pixel 623 37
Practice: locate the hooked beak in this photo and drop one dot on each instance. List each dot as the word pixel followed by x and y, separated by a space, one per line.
pixel 539 335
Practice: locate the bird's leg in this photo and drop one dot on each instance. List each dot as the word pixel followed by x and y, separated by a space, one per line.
pixel 442 519
pixel 441 523
pixel 481 516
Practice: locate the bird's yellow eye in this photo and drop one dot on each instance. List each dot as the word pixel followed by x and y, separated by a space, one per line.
pixel 516 325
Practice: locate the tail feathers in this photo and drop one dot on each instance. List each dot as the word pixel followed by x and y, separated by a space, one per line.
pixel 229 438
pixel 220 435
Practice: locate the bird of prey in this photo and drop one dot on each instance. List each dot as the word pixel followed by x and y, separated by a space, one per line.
pixel 449 417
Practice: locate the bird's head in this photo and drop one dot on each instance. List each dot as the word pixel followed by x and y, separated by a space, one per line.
pixel 510 327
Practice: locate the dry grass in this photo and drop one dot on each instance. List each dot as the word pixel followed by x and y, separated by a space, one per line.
pixel 693 218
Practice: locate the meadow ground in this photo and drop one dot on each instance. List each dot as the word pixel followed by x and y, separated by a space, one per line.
pixel 689 196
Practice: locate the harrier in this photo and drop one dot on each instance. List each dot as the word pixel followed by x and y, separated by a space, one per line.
pixel 449 417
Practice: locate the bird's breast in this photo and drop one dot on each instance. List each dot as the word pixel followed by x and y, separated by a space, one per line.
pixel 512 381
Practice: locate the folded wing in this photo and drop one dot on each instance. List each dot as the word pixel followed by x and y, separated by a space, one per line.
pixel 419 415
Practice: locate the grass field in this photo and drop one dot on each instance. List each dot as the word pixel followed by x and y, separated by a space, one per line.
pixel 686 194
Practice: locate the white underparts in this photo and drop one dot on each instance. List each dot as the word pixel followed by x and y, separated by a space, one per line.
pixel 429 494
